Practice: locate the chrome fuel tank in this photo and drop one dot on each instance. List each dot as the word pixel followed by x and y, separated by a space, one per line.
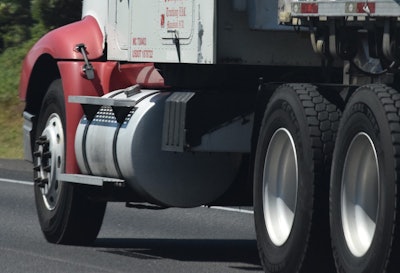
pixel 130 149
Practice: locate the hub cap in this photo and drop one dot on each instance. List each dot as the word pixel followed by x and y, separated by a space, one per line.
pixel 360 194
pixel 280 186
pixel 49 161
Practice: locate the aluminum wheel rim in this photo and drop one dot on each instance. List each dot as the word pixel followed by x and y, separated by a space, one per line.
pixel 280 186
pixel 50 161
pixel 360 194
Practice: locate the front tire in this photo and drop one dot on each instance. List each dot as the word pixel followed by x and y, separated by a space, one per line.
pixel 365 173
pixel 291 180
pixel 66 214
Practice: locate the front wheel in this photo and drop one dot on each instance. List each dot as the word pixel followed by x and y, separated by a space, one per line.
pixel 66 214
pixel 291 180
pixel 364 180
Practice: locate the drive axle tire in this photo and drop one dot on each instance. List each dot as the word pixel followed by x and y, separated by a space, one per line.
pixel 66 214
pixel 291 180
pixel 364 183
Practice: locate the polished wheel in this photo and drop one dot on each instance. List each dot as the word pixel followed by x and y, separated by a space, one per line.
pixel 360 194
pixel 50 160
pixel 280 184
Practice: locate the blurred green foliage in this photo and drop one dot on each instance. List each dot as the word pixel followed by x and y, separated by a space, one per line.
pixel 18 18
pixel 22 23
pixel 54 13
pixel 15 22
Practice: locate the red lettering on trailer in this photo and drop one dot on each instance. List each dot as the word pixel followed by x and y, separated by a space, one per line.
pixel 182 11
pixel 175 14
pixel 139 41
pixel 142 54
pixel 148 54
pixel 172 12
pixel 136 54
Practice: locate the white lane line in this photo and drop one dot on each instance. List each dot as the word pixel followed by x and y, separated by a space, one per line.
pixel 233 209
pixel 16 181
pixel 212 207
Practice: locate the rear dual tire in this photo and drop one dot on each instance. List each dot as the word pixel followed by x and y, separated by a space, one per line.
pixel 291 180
pixel 364 183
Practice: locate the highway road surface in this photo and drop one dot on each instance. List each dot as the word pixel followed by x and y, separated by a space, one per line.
pixel 131 240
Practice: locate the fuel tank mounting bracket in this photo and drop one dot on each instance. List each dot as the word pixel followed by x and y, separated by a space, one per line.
pixel 91 105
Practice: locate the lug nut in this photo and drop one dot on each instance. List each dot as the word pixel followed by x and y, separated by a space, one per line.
pixel 47 155
pixel 43 182
pixel 39 182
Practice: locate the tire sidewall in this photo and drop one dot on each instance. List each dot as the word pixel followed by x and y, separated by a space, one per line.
pixel 285 111
pixel 51 220
pixel 364 114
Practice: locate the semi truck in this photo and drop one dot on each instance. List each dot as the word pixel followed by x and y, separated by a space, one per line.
pixel 292 107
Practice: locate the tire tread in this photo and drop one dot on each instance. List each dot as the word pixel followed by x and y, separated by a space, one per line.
pixel 322 121
pixel 389 99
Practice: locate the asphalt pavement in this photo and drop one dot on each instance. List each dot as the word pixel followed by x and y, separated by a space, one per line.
pixel 131 240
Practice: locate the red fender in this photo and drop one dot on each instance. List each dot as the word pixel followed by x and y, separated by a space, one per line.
pixel 60 44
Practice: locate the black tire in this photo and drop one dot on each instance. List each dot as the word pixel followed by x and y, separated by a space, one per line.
pixel 365 173
pixel 299 114
pixel 66 214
